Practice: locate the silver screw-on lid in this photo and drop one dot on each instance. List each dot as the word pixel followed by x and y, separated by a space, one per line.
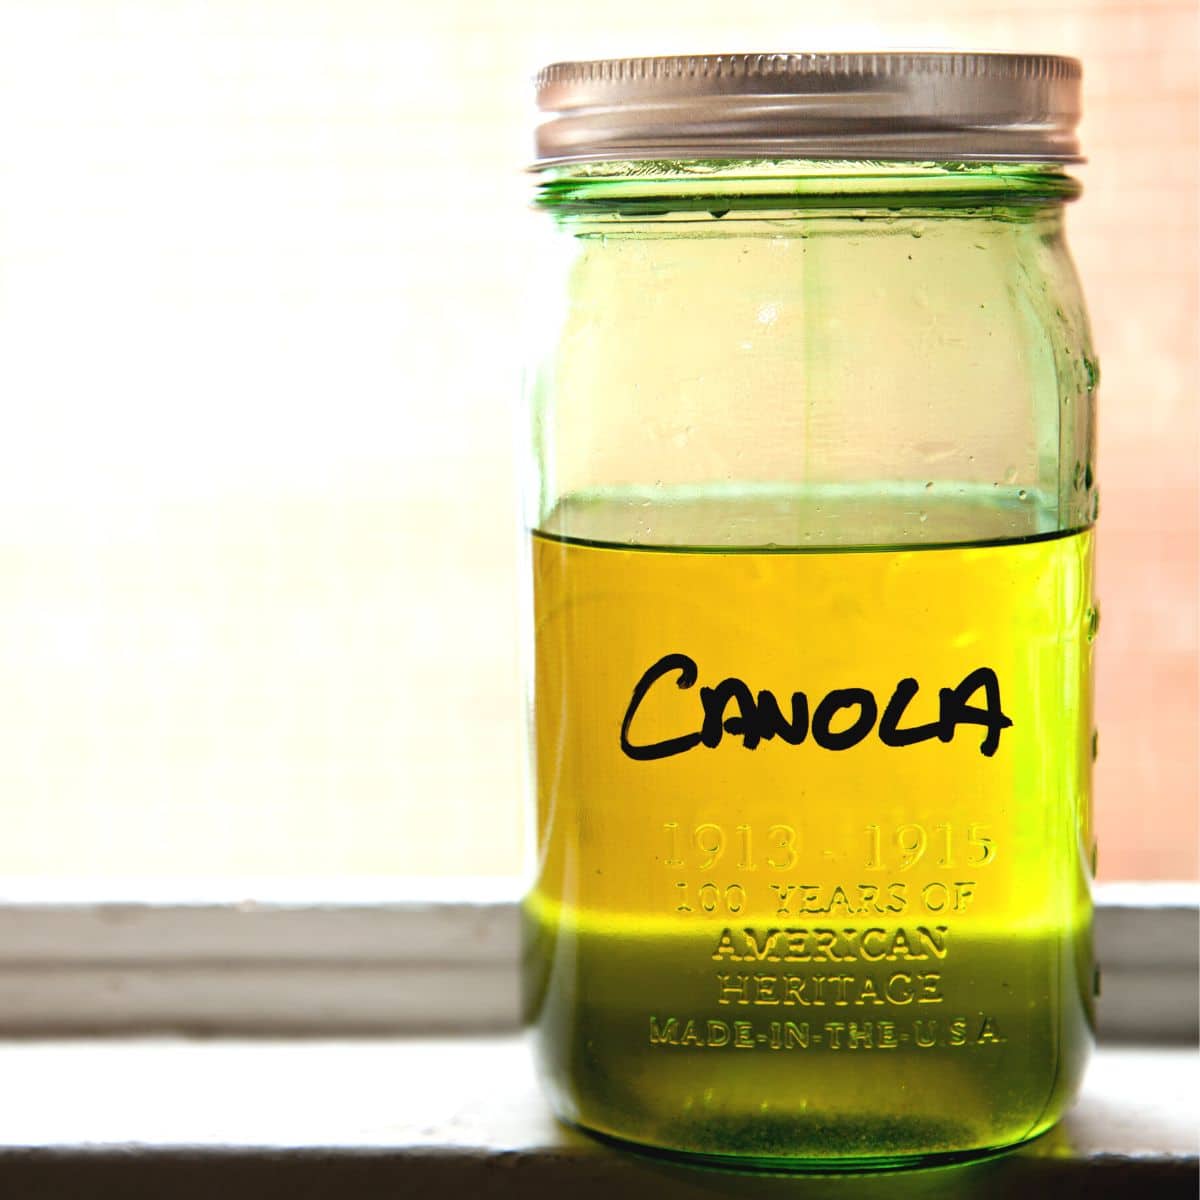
pixel 906 107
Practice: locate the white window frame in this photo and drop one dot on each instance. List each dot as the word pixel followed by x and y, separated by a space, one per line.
pixel 420 956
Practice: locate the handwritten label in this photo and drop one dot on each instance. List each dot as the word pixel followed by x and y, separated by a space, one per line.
pixel 759 719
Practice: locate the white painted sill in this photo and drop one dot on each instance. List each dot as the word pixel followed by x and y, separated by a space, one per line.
pixel 461 1116
pixel 412 1078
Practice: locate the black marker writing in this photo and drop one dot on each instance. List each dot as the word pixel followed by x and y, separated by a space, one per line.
pixel 759 718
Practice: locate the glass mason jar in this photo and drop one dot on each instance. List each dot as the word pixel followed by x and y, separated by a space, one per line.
pixel 810 510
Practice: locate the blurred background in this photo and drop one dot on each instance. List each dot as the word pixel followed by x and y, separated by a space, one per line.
pixel 261 276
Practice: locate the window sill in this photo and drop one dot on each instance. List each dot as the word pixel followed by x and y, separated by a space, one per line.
pixel 422 957
pixel 463 1116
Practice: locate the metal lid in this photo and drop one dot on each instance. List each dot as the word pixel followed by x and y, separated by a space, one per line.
pixel 906 107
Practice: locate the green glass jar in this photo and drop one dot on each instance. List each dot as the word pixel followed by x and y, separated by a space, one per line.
pixel 810 530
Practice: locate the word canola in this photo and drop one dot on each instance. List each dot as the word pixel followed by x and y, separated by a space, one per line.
pixel 758 717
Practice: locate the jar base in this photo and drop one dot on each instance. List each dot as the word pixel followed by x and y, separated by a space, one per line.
pixel 752 1164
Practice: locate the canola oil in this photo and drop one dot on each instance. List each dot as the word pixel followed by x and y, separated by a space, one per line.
pixel 813 824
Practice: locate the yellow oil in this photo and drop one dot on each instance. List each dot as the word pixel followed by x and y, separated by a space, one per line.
pixel 814 949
